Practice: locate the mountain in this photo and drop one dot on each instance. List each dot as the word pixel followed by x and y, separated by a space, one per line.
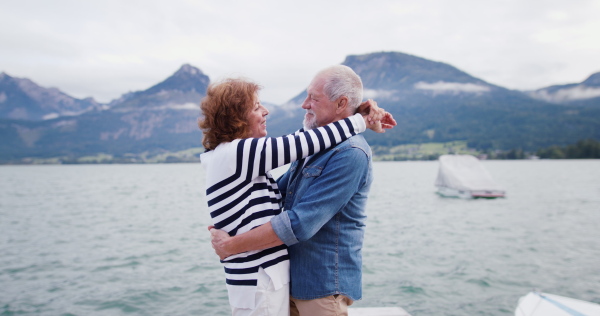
pixel 394 76
pixel 586 93
pixel 436 102
pixel 22 99
pixel 183 89
pixel 161 118
pixel 431 101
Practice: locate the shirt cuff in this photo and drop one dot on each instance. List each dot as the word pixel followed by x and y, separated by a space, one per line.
pixel 361 126
pixel 283 228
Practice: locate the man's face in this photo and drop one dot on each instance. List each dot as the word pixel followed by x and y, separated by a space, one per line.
pixel 319 110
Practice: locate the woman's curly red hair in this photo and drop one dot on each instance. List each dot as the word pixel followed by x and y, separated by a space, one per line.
pixel 224 111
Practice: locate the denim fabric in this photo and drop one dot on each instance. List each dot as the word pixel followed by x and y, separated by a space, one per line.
pixel 324 222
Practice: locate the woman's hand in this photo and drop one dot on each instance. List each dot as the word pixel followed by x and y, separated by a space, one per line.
pixel 376 118
pixel 388 122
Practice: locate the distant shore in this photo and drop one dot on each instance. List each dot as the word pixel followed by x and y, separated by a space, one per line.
pixel 585 149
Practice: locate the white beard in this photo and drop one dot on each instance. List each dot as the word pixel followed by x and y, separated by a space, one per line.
pixel 310 123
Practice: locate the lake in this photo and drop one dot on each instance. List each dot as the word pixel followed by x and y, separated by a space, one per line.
pixel 132 240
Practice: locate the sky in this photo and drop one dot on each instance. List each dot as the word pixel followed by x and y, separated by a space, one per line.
pixel 103 49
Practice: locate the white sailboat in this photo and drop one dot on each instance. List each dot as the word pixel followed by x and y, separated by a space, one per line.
pixel 463 176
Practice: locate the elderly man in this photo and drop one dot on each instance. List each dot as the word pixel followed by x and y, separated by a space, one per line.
pixel 325 197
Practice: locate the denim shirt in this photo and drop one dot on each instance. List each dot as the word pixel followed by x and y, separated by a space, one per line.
pixel 324 222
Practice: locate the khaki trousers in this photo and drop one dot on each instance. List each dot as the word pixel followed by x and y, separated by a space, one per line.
pixel 333 305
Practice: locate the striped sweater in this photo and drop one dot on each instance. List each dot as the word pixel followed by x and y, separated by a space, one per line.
pixel 241 195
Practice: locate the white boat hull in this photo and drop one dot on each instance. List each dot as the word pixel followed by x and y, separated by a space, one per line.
pixel 470 194
pixel 543 304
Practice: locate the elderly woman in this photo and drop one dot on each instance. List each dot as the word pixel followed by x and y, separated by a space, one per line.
pixel 240 191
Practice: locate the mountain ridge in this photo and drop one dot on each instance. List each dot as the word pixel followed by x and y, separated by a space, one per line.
pixel 187 85
pixel 436 102
pixel 432 101
pixel 23 99
pixel 585 93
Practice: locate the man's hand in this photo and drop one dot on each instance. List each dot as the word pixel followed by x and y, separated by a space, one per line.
pixel 376 118
pixel 219 240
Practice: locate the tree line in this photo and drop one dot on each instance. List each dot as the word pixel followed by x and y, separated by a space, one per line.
pixel 583 149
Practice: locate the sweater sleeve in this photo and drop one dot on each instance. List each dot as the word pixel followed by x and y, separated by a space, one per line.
pixel 268 153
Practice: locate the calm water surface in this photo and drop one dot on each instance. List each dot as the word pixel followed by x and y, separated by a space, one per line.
pixel 132 240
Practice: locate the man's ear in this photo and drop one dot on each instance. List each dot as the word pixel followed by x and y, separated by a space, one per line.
pixel 342 105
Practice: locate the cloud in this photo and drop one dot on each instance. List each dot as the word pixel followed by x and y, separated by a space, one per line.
pixel 185 106
pixel 378 94
pixel 50 116
pixel 451 87
pixel 106 48
pixel 567 94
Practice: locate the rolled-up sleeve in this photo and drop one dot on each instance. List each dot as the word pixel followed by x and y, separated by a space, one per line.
pixel 283 228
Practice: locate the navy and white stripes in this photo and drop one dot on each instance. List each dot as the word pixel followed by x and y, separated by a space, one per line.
pixel 242 195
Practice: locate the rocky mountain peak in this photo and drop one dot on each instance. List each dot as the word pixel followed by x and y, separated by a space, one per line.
pixel 188 69
pixel 393 76
pixel 187 78
pixel 395 70
pixel 593 80
pixel 26 100
pixel 183 89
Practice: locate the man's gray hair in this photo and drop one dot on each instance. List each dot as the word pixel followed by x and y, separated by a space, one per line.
pixel 341 81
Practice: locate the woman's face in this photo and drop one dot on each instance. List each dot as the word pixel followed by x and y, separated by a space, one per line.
pixel 257 119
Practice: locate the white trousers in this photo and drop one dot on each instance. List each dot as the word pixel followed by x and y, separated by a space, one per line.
pixel 269 302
